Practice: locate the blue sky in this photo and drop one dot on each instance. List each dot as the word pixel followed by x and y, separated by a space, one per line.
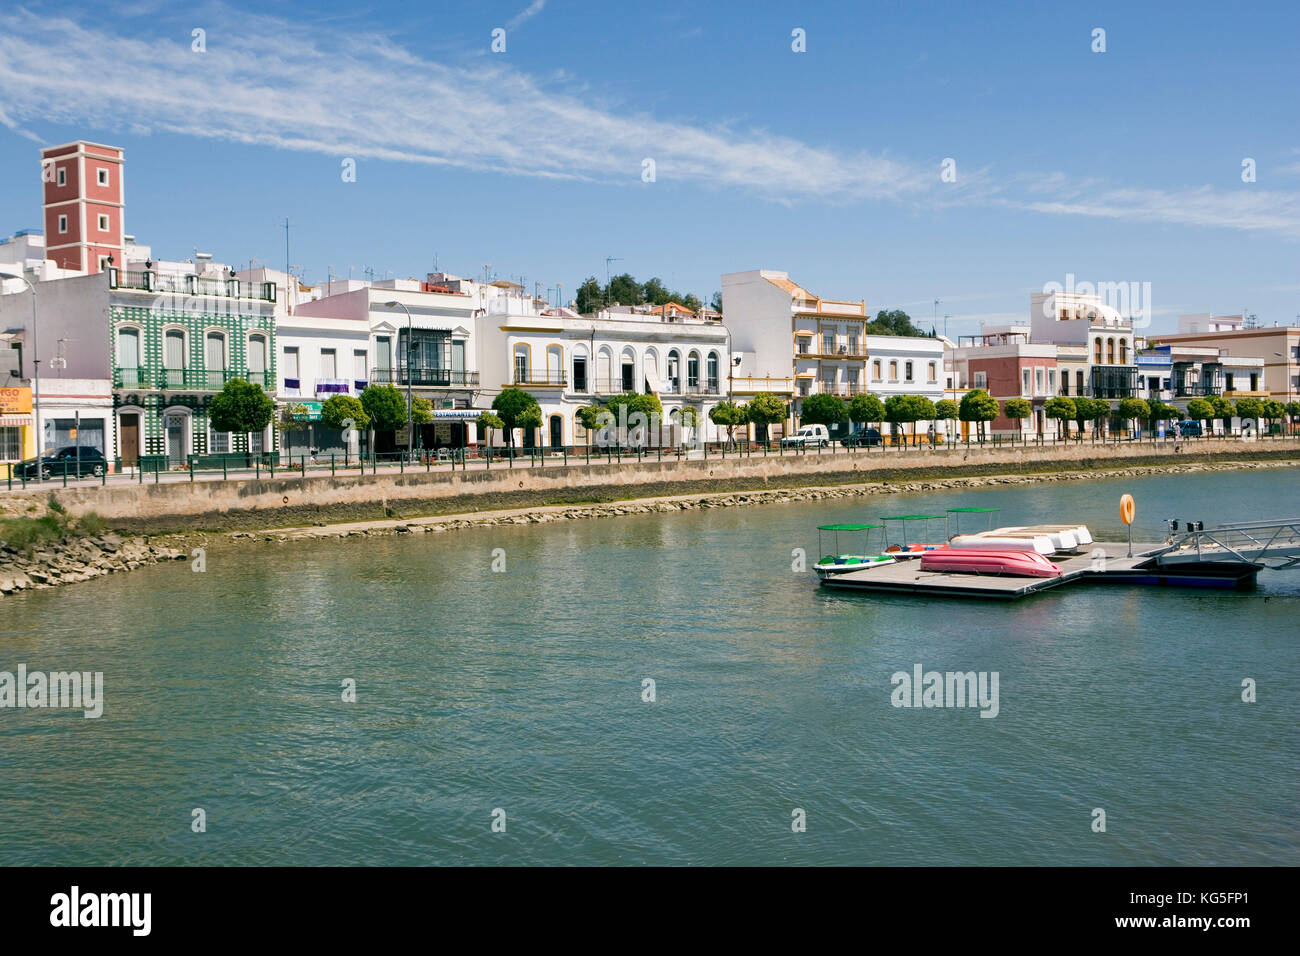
pixel 1122 166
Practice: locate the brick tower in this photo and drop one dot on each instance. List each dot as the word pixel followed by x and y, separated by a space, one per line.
pixel 83 204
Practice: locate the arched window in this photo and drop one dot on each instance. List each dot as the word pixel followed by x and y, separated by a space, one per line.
pixel 521 364
pixel 627 368
pixel 174 357
pixel 257 360
pixel 128 357
pixel 580 370
pixel 713 373
pixel 693 372
pixel 1110 351
pixel 1096 352
pixel 1123 351
pixel 1078 382
pixel 674 371
pixel 604 370
pixel 554 365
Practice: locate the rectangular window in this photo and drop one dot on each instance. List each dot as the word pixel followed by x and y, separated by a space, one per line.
pixel 102 177
pixel 63 176
pixel 981 379
pixel 11 448
pixel 907 371
pixel 1051 381
pixel 103 223
pixel 383 352
pixel 174 350
pixel 893 371
pixel 580 373
pixel 521 367
pixel 218 443
pixel 1039 384
pixel 291 361
pixel 803 387
pixel 828 343
pixel 63 224
pixel 875 370
pixel 934 371
pixel 359 359
pixel 328 364
pixel 1024 381
pixel 853 343
pixel 804 345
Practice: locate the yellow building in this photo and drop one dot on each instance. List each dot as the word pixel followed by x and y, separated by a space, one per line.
pixel 17 428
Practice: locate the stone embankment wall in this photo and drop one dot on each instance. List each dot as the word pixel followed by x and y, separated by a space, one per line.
pixel 313 500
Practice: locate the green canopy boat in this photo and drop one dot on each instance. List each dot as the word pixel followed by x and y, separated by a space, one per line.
pixel 838 563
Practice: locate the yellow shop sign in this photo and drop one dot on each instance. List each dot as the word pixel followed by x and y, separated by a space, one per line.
pixel 14 401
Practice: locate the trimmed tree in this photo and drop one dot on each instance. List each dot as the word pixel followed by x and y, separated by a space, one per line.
pixel 588 417
pixel 823 409
pixel 689 417
pixel 1251 408
pixel 510 405
pixel 864 409
pixel 1273 411
pixel 1100 412
pixel 978 406
pixel 344 412
pixel 634 402
pixel 1223 411
pixel 945 410
pixel 292 417
pixel 901 409
pixel 1061 409
pixel 1018 409
pixel 1161 412
pixel 487 421
pixel 1202 410
pixel 763 410
pixel 728 415
pixel 240 407
pixel 386 407
pixel 1133 409
pixel 1293 411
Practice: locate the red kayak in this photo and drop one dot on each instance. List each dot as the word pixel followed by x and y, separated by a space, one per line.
pixel 1025 564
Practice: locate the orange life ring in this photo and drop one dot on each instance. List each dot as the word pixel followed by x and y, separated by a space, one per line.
pixel 1127 509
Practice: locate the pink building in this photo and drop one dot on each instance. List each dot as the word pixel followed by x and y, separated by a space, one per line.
pixel 1013 370
pixel 83 203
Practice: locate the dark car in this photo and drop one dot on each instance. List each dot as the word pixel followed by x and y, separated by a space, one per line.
pixel 64 461
pixel 860 439
pixel 1192 429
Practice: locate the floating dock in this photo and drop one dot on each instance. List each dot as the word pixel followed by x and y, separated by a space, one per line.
pixel 1101 562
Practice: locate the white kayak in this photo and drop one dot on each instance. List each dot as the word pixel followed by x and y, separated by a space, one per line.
pixel 1061 540
pixel 992 541
pixel 1081 533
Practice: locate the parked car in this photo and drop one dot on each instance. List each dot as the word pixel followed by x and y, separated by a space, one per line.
pixel 862 438
pixel 808 435
pixel 1192 429
pixel 64 462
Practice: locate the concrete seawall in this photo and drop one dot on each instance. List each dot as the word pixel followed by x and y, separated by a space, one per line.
pixel 285 501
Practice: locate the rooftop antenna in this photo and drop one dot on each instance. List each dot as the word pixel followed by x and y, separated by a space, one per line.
pixel 608 260
pixel 286 243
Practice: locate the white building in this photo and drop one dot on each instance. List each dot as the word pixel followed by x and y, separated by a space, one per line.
pixel 793 342
pixel 401 332
pixel 567 361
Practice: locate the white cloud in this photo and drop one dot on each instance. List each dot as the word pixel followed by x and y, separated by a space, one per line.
pixel 526 14
pixel 335 91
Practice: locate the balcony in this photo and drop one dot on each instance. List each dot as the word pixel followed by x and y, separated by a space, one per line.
pixel 538 377
pixel 842 389
pixel 198 379
pixel 188 284
pixel 424 377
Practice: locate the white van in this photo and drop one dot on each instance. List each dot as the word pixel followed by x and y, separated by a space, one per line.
pixel 808 435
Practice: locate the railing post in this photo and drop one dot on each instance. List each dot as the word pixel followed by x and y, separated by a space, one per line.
pixel 331 464
pixel 225 474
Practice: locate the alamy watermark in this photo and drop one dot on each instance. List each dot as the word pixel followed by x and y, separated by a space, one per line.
pixel 1132 300
pixel 71 690
pixel 923 688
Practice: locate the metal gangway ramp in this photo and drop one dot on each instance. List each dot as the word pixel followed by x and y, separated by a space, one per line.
pixel 1264 544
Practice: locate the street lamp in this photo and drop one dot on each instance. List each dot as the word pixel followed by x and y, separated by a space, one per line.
pixel 36 373
pixel 410 348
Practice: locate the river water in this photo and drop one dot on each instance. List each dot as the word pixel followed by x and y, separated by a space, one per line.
pixel 521 691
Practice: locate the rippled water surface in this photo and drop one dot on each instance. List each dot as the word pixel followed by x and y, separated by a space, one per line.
pixel 522 691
